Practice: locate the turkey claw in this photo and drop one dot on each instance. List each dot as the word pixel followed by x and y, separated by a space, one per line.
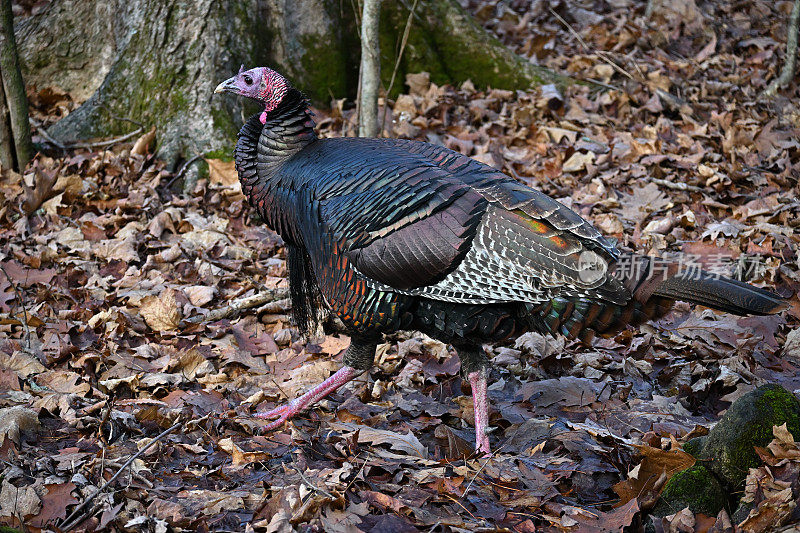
pixel 282 413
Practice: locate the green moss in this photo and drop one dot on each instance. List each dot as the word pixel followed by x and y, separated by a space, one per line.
pixel 694 446
pixel 323 68
pixel 223 121
pixel 729 449
pixel 696 488
pixel 446 42
pixel 223 154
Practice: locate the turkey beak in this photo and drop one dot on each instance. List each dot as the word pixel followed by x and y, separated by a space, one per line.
pixel 227 85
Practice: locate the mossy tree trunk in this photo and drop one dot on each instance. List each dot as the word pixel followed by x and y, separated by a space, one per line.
pixel 157 62
pixel 449 44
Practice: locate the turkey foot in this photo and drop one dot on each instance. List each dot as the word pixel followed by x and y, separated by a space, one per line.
pixel 285 412
pixel 480 402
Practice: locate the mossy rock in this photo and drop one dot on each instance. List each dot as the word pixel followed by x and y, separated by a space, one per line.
pixel 694 446
pixel 728 450
pixel 695 488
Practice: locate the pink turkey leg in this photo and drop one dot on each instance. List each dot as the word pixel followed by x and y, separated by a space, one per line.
pixel 480 402
pixel 285 412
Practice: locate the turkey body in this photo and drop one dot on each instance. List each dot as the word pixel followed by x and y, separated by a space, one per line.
pixel 405 234
pixel 397 234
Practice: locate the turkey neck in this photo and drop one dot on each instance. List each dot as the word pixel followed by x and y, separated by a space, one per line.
pixel 262 152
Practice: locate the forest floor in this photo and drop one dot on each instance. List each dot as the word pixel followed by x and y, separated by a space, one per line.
pixel 107 284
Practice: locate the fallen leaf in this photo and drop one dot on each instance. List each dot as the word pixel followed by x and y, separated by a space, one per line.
pixel 14 421
pixel 222 172
pixel 142 144
pixel 18 501
pixel 657 466
pixel 161 312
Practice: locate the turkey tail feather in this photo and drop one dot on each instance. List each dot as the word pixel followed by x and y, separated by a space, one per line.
pixel 659 278
pixel 721 293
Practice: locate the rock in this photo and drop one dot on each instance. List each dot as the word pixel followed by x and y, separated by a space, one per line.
pixel 728 449
pixel 695 445
pixel 725 455
pixel 695 488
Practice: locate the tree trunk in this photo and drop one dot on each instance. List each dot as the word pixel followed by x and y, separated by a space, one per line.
pixel 6 138
pixel 15 104
pixel 449 44
pixel 787 73
pixel 157 62
pixel 370 69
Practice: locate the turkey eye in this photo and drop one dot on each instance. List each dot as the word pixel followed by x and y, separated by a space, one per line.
pixel 248 80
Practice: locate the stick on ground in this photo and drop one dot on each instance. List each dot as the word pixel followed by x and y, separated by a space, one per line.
pixel 77 516
pixel 248 302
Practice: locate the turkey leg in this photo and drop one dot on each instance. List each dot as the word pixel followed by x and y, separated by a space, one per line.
pixel 474 364
pixel 357 360
pixel 480 403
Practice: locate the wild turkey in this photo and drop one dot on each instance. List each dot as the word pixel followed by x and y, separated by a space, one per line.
pixel 396 234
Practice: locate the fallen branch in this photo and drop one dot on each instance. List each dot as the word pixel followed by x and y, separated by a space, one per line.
pixel 77 516
pixel 109 142
pixel 787 74
pixel 676 186
pixel 248 302
pixel 68 146
pixel 46 136
pixel 397 60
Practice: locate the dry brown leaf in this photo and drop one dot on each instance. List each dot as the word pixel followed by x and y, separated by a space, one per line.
pixel 120 249
pixel 161 312
pixel 222 172
pixel 17 420
pixel 578 161
pixel 41 190
pixel 212 501
pixel 773 512
pixel 22 363
pixel 199 295
pixel 239 456
pixel 55 503
pixel 142 144
pixel 657 466
pixel 408 443
pixel 18 501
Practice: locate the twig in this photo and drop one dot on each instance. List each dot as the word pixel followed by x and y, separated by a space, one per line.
pixel 403 43
pixel 108 463
pixel 237 306
pixel 43 132
pixel 100 144
pixel 676 186
pixel 178 175
pixel 312 486
pixel 76 516
pixel 787 74
pixel 486 462
pixel 21 301
pixel 603 55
